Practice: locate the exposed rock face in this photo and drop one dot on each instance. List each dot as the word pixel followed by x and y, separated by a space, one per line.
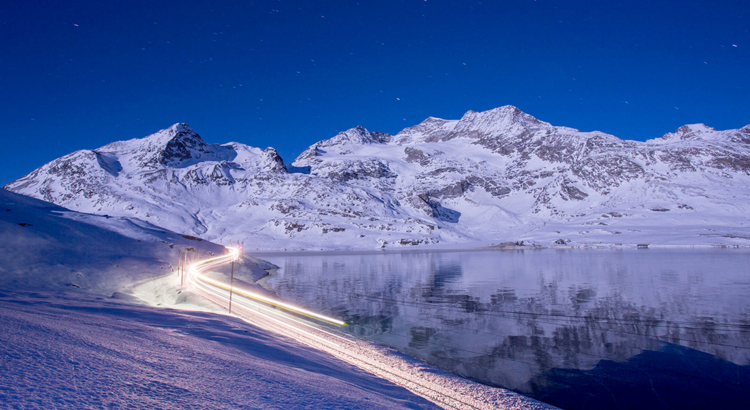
pixel 183 146
pixel 494 176
pixel 273 161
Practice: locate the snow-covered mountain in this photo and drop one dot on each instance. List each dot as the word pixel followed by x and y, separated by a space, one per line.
pixel 490 177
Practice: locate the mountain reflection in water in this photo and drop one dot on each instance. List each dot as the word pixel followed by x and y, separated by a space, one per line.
pixel 574 328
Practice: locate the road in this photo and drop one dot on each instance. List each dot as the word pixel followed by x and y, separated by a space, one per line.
pixel 320 331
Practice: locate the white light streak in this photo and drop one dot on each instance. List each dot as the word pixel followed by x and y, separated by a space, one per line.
pixel 199 280
pixel 450 392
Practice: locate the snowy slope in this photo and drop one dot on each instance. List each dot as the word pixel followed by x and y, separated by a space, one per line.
pixel 490 177
pixel 75 352
pixel 72 339
pixel 48 248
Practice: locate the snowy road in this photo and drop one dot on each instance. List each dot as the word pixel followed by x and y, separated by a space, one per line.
pixel 319 331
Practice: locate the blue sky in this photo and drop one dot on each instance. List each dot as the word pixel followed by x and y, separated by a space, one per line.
pixel 80 74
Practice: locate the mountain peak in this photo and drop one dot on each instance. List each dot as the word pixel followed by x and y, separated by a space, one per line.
pixel 502 122
pixel 696 128
pixel 502 116
pixel 358 135
pixel 183 144
pixel 178 131
pixel 505 120
pixel 690 131
pixel 180 127
pixel 177 146
pixel 182 133
pixel 274 161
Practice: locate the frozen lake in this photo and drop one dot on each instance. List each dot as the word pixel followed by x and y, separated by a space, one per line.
pixel 645 328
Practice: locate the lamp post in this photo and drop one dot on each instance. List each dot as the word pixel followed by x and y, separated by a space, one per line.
pixel 182 276
pixel 231 287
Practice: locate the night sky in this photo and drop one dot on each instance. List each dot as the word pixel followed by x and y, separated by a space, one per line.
pixel 80 74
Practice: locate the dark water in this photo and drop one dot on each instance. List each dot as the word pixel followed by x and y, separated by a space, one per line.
pixel 580 329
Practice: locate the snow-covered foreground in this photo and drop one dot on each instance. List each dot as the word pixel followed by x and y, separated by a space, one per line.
pixel 77 351
pixel 73 337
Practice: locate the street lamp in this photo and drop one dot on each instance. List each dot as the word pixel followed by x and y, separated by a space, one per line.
pixel 231 283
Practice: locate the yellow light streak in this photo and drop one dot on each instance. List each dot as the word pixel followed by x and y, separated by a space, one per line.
pixel 194 272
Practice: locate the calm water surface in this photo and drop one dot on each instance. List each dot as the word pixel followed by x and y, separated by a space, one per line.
pixel 584 329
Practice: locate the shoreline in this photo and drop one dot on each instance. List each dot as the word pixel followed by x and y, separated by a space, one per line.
pixel 449 248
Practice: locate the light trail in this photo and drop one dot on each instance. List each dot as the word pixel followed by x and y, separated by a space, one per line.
pixel 195 275
pixel 443 389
